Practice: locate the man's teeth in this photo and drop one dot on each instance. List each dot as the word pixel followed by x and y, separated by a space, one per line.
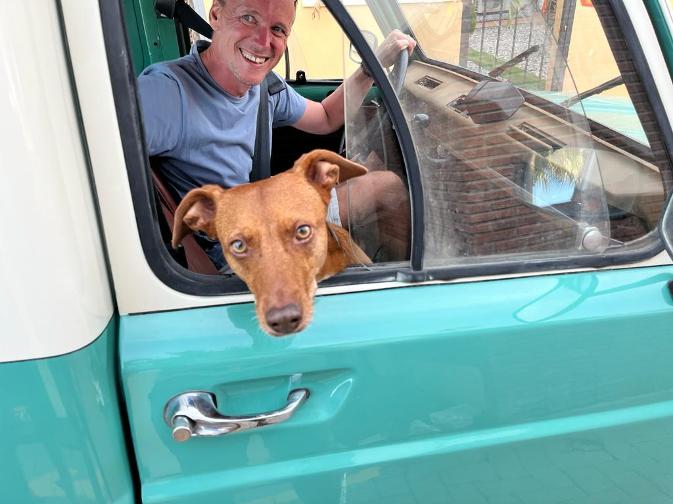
pixel 253 58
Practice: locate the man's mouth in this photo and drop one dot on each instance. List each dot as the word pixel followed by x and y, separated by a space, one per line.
pixel 258 60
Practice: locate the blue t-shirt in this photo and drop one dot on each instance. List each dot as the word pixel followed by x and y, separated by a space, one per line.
pixel 204 134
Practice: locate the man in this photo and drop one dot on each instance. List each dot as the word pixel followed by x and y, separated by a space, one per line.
pixel 200 111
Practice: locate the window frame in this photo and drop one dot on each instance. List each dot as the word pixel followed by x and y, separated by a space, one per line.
pixel 172 274
pixel 123 82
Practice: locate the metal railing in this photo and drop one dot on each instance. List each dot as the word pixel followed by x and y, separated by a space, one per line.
pixel 499 30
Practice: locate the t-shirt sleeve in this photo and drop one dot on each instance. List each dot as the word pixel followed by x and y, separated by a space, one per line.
pixel 289 106
pixel 161 108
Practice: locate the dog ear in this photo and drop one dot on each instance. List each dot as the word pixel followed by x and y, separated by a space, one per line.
pixel 196 212
pixel 326 169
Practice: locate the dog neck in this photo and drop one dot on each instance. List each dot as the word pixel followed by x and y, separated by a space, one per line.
pixel 342 251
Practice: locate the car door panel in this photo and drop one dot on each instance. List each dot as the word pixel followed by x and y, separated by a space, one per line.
pixel 525 397
pixel 550 388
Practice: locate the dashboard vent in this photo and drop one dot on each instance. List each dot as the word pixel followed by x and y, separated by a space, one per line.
pixel 542 136
pixel 428 82
pixel 535 139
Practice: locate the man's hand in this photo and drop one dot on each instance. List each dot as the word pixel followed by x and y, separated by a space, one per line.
pixel 395 42
pixel 328 115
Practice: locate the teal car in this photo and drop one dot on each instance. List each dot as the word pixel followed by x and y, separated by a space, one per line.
pixel 519 354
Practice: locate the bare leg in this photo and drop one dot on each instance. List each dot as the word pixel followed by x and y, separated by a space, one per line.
pixel 378 197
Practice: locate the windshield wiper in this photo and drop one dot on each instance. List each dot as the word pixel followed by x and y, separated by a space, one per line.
pixel 496 72
pixel 594 90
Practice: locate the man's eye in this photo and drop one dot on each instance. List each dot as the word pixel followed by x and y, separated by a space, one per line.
pixel 248 18
pixel 303 232
pixel 280 30
pixel 238 247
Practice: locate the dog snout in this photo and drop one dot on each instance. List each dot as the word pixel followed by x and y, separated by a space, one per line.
pixel 284 320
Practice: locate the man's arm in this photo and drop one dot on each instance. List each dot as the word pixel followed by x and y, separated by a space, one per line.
pixel 327 116
pixel 161 109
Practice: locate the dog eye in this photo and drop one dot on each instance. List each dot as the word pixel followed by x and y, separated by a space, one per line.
pixel 238 247
pixel 303 232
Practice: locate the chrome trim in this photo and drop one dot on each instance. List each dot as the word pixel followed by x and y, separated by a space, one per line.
pixel 193 414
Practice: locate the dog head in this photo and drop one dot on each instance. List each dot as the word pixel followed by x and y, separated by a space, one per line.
pixel 274 234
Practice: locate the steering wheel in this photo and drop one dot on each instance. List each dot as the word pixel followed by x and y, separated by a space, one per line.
pixel 399 71
pixel 397 76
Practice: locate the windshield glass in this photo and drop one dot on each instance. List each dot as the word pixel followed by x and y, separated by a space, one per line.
pixel 565 46
pixel 504 127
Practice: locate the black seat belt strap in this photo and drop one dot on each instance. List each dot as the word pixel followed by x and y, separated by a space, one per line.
pixel 261 160
pixel 189 18
pixel 178 9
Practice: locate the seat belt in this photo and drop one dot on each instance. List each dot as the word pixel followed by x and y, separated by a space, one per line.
pixel 197 259
pixel 188 17
pixel 261 159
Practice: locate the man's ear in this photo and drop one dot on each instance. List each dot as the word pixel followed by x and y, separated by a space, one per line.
pixel 214 13
pixel 325 169
pixel 196 212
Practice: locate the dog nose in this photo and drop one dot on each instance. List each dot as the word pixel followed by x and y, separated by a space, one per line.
pixel 284 320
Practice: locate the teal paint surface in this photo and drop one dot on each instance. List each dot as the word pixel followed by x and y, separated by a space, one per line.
pixel 314 91
pixel 151 39
pixel 62 440
pixel 530 390
pixel 318 91
pixel 137 44
pixel 664 34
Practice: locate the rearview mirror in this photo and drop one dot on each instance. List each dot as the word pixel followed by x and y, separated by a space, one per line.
pixel 489 101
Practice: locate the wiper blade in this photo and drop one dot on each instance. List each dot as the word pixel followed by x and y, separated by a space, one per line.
pixel 516 59
pixel 594 90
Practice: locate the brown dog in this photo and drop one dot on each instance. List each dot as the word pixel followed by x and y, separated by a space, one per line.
pixel 275 236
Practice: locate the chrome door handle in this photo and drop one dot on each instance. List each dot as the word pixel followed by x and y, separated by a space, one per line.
pixel 194 414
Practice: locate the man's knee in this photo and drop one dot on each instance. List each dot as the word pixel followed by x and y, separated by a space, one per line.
pixel 389 190
pixel 370 193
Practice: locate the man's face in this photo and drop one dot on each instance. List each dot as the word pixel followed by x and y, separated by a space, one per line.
pixel 250 38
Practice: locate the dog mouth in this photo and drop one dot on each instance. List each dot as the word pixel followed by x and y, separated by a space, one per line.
pixel 257 60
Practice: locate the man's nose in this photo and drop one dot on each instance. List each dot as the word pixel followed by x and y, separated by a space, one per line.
pixel 262 36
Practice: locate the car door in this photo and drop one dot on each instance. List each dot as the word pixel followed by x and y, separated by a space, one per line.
pixel 519 355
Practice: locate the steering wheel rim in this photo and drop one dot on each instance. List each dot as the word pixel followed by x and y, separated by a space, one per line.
pixel 397 76
pixel 399 71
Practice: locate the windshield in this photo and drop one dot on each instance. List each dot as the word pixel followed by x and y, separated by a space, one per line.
pixel 504 99
pixel 565 46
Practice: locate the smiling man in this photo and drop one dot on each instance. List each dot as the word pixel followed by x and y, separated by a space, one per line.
pixel 249 38
pixel 200 111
